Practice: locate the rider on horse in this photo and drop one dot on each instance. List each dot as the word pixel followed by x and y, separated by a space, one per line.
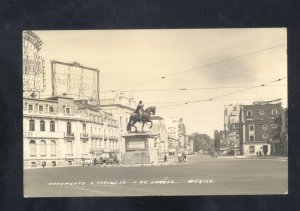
pixel 139 110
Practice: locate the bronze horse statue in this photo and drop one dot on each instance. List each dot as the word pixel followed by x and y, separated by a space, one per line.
pixel 145 118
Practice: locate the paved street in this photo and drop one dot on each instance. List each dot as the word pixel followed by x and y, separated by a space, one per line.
pixel 201 175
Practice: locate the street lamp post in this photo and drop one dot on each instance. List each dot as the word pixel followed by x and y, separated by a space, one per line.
pixel 235 150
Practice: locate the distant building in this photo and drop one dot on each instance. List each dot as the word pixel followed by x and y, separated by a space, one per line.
pixel 260 124
pixel 232 124
pixel 159 127
pixel 177 131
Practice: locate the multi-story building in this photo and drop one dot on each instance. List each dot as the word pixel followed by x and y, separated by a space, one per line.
pixel 121 108
pixel 232 124
pixel 259 125
pixel 59 131
pixel 284 133
pixel 176 134
pixel 159 128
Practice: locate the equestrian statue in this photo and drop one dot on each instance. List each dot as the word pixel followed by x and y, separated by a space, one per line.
pixel 140 115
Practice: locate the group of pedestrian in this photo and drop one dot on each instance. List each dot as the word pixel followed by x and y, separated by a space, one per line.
pixel 260 154
pixel 181 157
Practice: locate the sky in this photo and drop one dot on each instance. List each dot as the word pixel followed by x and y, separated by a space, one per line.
pixel 153 65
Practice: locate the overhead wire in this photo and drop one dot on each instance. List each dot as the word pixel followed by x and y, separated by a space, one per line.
pixel 220 96
pixel 194 88
pixel 201 67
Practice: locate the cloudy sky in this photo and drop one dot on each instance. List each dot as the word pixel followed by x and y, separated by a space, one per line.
pixel 207 62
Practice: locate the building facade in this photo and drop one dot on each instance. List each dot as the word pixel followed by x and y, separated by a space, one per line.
pixel 121 108
pixel 177 131
pixel 159 128
pixel 259 125
pixel 59 131
pixel 232 124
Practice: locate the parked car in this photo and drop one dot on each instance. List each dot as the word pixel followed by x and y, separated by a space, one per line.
pixel 87 162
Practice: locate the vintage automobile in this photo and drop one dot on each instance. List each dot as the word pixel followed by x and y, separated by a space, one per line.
pixel 87 162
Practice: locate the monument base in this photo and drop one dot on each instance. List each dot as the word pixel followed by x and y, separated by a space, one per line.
pixel 140 148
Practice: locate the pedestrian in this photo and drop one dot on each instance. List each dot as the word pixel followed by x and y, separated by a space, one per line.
pixel 260 154
pixel 257 154
pixel 179 157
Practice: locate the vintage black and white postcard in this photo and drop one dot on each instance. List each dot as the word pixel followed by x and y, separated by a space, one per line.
pixel 155 112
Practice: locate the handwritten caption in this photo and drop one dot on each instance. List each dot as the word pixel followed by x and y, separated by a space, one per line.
pixel 134 182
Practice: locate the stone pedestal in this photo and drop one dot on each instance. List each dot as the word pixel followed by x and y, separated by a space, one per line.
pixel 140 148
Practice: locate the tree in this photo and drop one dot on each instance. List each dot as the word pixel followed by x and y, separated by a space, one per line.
pixel 201 142
pixel 217 139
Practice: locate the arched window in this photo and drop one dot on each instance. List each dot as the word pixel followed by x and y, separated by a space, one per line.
pixel 69 148
pixel 69 128
pixel 84 147
pixel 43 148
pixel 52 126
pixel 32 148
pixel 53 147
pixel 84 128
pixel 31 125
pixel 42 125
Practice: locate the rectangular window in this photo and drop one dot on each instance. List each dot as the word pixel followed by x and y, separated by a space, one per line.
pixel 42 125
pixel 52 126
pixel 249 113
pixel 251 138
pixel 41 108
pixel 69 128
pixel 51 109
pixel 67 110
pixel 251 149
pixel 31 125
pixel 274 111
pixel 30 107
pixel 251 128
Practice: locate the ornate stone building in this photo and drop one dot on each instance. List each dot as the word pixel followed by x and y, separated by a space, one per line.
pixel 60 131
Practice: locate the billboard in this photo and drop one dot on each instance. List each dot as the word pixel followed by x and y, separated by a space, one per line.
pixel 75 80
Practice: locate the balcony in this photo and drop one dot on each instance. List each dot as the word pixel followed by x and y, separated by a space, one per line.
pixel 43 134
pixel 114 138
pixel 112 125
pixel 69 135
pixel 97 136
pixel 84 135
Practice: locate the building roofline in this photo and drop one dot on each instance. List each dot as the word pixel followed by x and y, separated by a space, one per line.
pixel 118 105
pixel 60 96
pixel 40 99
